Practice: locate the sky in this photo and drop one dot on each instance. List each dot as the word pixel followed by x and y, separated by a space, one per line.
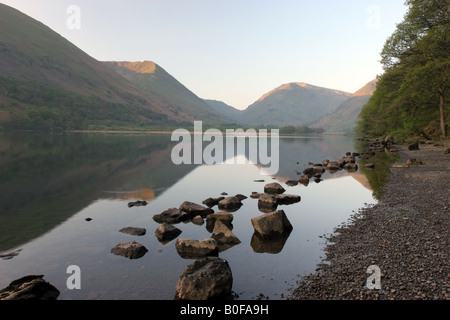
pixel 234 51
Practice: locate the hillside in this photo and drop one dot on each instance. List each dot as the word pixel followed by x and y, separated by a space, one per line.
pixel 345 117
pixel 225 109
pixel 297 104
pixel 178 99
pixel 47 83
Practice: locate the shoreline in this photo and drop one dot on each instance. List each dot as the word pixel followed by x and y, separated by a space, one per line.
pixel 405 234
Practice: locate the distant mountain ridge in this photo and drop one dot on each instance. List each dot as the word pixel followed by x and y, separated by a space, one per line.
pixel 344 118
pixel 295 103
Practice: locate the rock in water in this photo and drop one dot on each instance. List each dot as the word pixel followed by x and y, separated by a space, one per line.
pixel 133 231
pixel 196 249
pixel 272 225
pixel 167 232
pixel 206 279
pixel 171 216
pixel 32 287
pixel 274 188
pixel 194 209
pixel 130 250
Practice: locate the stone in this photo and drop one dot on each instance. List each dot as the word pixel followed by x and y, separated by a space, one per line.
pixel 198 220
pixel 413 146
pixel 167 232
pixel 224 237
pixel 351 167
pixel 304 180
pixel 130 250
pixel 171 216
pixel 287 198
pixel 272 225
pixel 205 279
pixel 291 183
pixel 32 287
pixel 370 166
pixel 137 204
pixel 274 188
pixel 225 217
pixel 194 209
pixel 195 249
pixel 211 202
pixel 267 203
pixel 133 231
pixel 230 203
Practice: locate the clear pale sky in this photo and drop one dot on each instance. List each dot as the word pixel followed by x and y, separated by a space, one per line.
pixel 232 50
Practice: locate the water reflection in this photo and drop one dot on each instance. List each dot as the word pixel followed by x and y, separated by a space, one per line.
pixel 50 184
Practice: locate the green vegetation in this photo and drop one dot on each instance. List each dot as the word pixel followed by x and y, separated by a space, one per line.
pixel 410 96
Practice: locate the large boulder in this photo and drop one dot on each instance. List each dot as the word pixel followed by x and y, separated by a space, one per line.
pixel 130 250
pixel 196 249
pixel 32 287
pixel 274 188
pixel 166 233
pixel 272 225
pixel 206 279
pixel 194 209
pixel 171 216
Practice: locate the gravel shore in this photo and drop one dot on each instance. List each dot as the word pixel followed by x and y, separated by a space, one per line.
pixel 406 235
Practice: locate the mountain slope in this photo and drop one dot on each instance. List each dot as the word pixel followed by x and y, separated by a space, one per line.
pixel 296 104
pixel 344 118
pixel 225 109
pixel 47 82
pixel 153 79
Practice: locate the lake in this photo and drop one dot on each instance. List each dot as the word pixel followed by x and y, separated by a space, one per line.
pixel 50 185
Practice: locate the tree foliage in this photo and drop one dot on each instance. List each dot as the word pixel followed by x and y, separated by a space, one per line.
pixel 411 92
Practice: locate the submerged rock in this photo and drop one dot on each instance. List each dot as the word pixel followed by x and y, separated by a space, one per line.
pixel 130 250
pixel 32 287
pixel 205 279
pixel 133 231
pixel 137 204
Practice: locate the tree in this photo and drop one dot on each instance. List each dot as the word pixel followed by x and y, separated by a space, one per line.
pixel 420 47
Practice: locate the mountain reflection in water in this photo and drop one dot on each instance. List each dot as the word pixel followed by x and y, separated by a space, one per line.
pixel 50 184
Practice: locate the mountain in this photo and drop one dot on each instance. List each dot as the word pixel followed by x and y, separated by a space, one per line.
pixel 344 118
pixel 46 82
pixel 225 109
pixel 296 103
pixel 153 79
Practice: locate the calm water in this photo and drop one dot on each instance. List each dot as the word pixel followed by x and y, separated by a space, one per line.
pixel 50 184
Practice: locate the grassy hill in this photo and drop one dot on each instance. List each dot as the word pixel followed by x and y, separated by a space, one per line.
pixel 48 83
pixel 297 104
pixel 178 99
pixel 225 109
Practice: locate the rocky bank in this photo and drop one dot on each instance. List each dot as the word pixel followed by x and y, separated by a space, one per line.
pixel 405 235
